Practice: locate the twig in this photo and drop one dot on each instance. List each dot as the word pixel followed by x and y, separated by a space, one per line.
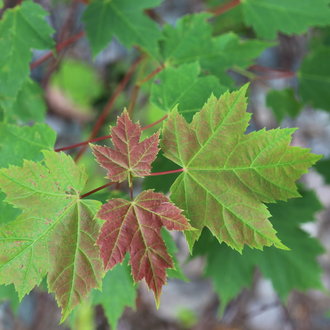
pixel 154 123
pixel 59 47
pixel 130 186
pixel 167 172
pixel 97 189
pixel 106 110
pixel 273 73
pixel 224 8
pixel 80 144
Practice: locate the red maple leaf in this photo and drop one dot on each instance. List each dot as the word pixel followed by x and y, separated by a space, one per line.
pixel 134 227
pixel 129 156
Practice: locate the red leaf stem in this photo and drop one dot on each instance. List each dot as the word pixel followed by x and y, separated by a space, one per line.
pixel 83 143
pixel 104 137
pixel 273 73
pixel 97 189
pixel 111 183
pixel 106 111
pixel 167 172
pixel 59 48
pixel 151 74
pixel 219 10
pixel 154 123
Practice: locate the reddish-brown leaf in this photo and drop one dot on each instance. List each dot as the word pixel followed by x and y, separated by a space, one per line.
pixel 129 155
pixel 134 227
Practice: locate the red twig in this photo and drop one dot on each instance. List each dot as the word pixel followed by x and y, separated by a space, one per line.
pixel 154 123
pixel 151 75
pixel 59 48
pixel 97 189
pixel 167 172
pixel 219 10
pixel 131 190
pixel 83 143
pixel 105 113
pixel 104 137
pixel 137 87
pixel 273 73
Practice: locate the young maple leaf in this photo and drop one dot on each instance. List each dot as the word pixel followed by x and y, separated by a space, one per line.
pixel 228 175
pixel 129 156
pixel 134 227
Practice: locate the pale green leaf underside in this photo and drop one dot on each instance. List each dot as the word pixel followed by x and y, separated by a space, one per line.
pixel 229 175
pixel 268 17
pixel 55 233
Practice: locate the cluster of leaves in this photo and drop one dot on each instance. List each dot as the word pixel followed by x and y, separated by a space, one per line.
pixel 226 179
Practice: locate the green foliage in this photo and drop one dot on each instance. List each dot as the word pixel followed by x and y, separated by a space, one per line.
pixel 118 292
pixel 21 29
pixel 191 40
pixel 54 221
pixel 184 87
pixel 78 81
pixel 283 103
pixel 314 81
pixel 234 188
pixel 29 104
pixel 228 175
pixel 268 17
pixel 123 19
pixel 288 270
pixel 323 167
pixel 18 143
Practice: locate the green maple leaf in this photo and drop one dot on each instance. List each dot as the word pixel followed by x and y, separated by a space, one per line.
pixel 118 291
pixel 323 167
pixel 29 104
pixel 22 28
pixel 191 40
pixel 184 87
pixel 18 143
pixel 123 19
pixel 283 103
pixel 55 234
pixel 228 175
pixel 288 270
pixel 267 17
pixel 314 80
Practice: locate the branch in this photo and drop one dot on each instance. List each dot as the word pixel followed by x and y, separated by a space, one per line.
pixel 97 189
pixel 59 48
pixel 273 73
pixel 167 172
pixel 219 10
pixel 131 191
pixel 108 107
pixel 105 137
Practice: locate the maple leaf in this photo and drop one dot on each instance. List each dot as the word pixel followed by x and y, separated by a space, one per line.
pixel 313 77
pixel 118 292
pixel 55 234
pixel 123 19
pixel 134 227
pixel 228 175
pixel 290 17
pixel 129 157
pixel 22 28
